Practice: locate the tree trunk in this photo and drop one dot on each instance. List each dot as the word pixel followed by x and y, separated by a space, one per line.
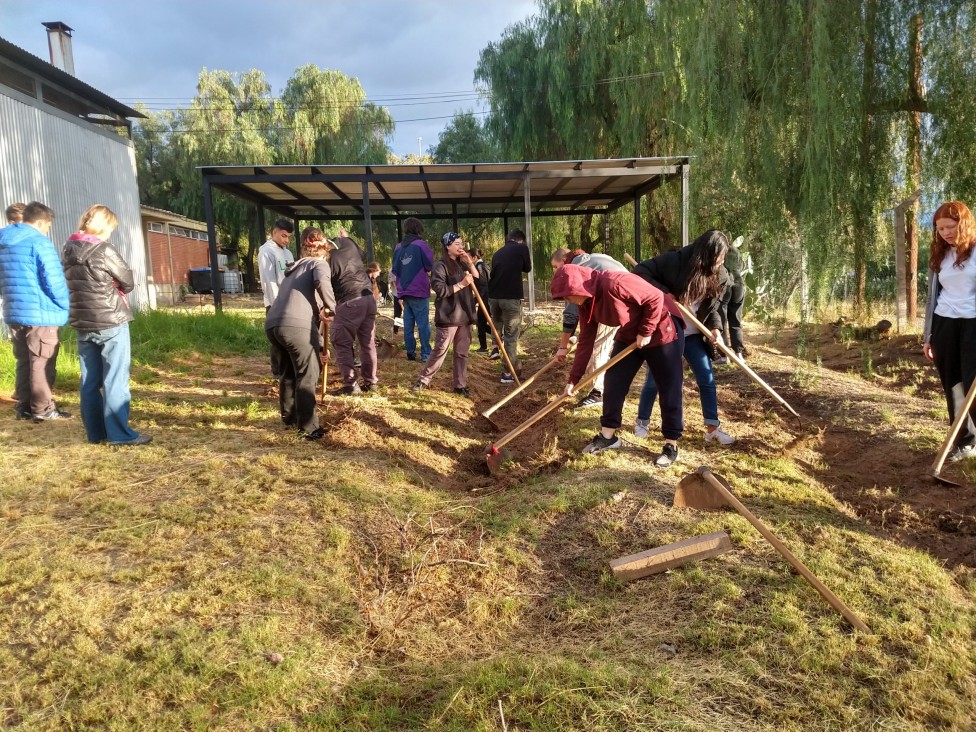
pixel 914 172
pixel 862 217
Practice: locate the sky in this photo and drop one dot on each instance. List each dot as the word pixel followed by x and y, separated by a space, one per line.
pixel 417 57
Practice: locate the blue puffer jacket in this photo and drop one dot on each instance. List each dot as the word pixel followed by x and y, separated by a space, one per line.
pixel 32 281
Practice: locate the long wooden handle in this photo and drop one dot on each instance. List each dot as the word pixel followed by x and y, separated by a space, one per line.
pixel 551 406
pixel 830 597
pixel 954 429
pixel 324 376
pixel 734 358
pixel 525 384
pixel 494 332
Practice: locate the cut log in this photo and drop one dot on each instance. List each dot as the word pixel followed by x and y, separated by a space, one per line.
pixel 654 561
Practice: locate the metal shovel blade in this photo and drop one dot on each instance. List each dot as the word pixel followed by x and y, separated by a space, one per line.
pixel 939 478
pixel 693 491
pixel 496 457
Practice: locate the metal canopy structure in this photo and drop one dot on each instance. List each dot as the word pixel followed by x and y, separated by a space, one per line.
pixel 446 191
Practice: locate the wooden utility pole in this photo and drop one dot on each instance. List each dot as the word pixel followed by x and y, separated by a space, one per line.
pixel 914 164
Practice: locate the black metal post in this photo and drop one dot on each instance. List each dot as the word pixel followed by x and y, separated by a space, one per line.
pixel 399 229
pixel 262 231
pixel 527 190
pixel 637 228
pixel 368 223
pixel 454 217
pixel 216 281
pixel 298 233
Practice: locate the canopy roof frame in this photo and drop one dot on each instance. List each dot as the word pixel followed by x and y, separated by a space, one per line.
pixel 448 191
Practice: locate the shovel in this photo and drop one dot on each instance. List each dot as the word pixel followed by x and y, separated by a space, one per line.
pixel 524 385
pixel 951 437
pixel 494 332
pixel 705 490
pixel 734 358
pixel 496 457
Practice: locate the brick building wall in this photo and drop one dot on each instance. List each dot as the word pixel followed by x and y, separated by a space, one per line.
pixel 172 255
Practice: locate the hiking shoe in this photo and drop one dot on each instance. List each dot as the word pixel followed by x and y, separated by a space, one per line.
pixel 668 456
pixel 411 356
pixel 720 361
pixel 742 354
pixel 494 355
pixel 350 390
pixel 463 391
pixel 134 442
pixel 507 378
pixel 962 452
pixel 601 443
pixel 316 434
pixel 641 427
pixel 419 385
pixel 22 413
pixel 50 415
pixel 398 322
pixel 482 350
pixel 368 387
pixel 357 364
pixel 593 399
pixel 720 436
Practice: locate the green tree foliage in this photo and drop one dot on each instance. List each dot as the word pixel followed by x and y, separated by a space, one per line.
pixel 465 140
pixel 794 110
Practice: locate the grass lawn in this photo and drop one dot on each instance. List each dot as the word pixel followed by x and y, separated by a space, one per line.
pixel 231 576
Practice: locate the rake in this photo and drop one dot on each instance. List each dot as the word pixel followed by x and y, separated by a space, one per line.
pixel 498 338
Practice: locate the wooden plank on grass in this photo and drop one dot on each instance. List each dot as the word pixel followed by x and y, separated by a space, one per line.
pixel 665 557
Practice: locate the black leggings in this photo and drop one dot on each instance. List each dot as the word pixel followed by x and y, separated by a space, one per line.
pixel 953 344
pixel 665 366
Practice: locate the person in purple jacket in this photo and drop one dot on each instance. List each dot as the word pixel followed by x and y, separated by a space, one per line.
pixel 412 262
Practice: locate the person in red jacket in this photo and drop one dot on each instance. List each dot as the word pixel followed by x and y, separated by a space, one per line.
pixel 642 313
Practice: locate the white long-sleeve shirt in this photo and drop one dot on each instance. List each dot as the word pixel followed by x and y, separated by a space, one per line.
pixel 272 263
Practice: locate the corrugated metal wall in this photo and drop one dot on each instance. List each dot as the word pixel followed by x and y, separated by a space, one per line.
pixel 67 166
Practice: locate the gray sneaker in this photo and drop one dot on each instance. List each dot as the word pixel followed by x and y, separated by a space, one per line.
pixel 962 452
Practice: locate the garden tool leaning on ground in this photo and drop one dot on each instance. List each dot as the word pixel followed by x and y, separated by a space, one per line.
pixel 524 385
pixel 496 456
pixel 708 492
pixel 961 417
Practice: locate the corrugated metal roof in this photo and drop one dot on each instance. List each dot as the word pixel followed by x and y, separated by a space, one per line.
pixel 336 191
pixel 64 79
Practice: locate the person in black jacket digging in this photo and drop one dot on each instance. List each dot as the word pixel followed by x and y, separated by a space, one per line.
pixel 99 280
pixel 355 316
pixel 694 276
pixel 451 279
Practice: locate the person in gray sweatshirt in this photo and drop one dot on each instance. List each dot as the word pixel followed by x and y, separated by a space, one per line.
pixel 292 327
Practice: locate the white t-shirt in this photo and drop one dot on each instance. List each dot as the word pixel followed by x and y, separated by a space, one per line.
pixel 958 296
pixel 272 263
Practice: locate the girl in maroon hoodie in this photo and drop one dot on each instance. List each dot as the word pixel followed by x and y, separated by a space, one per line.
pixel 641 311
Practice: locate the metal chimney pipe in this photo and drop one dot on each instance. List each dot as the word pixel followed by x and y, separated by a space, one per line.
pixel 59 44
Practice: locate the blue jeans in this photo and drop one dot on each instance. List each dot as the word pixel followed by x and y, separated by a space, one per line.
pixel 416 310
pixel 696 354
pixel 105 356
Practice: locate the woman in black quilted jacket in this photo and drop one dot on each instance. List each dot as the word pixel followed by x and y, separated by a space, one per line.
pixel 99 281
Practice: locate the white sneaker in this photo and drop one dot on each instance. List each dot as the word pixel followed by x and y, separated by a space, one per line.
pixel 398 322
pixel 641 427
pixel 720 361
pixel 720 436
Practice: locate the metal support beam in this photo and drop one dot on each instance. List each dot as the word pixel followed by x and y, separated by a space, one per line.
pixel 298 232
pixel 399 223
pixel 454 217
pixel 637 229
pixel 685 201
pixel 216 281
pixel 368 222
pixel 527 191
